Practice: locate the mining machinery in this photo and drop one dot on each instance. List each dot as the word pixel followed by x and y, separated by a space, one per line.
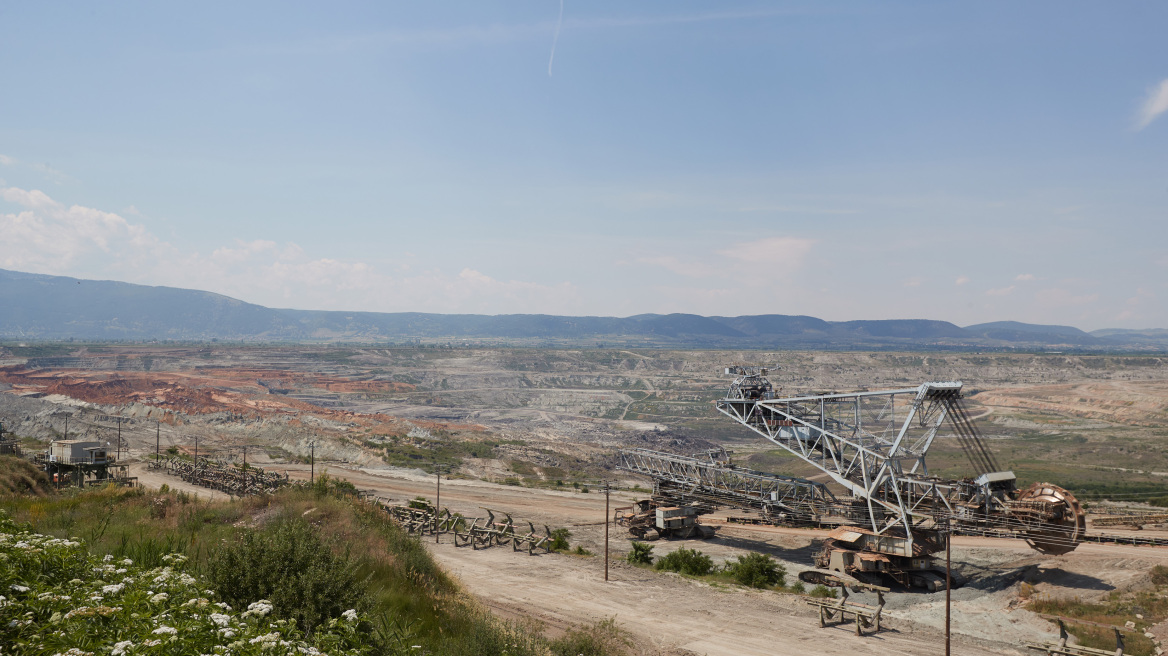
pixel 873 444
pixel 889 514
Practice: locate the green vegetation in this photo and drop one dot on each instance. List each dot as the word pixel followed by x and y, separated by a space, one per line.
pixel 95 603
pixel 642 554
pixel 308 579
pixel 685 561
pixel 822 591
pixel 756 570
pixel 309 553
pixel 559 541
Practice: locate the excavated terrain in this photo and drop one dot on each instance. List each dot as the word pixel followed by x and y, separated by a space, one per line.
pixel 519 427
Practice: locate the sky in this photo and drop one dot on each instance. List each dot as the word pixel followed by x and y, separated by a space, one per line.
pixel 967 162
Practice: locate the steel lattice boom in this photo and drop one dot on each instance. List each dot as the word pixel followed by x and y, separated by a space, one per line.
pixel 722 483
pixel 874 443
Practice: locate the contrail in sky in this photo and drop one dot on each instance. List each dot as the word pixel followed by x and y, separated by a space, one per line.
pixel 559 24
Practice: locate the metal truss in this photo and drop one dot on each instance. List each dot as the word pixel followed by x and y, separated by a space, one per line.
pixel 872 443
pixel 717 482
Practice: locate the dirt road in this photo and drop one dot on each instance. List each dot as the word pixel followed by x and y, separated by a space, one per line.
pixel 667 614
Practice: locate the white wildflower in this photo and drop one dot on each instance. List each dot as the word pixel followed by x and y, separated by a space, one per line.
pixel 350 615
pixel 120 570
pixel 186 579
pixel 220 619
pixel 106 559
pixel 127 562
pixel 227 633
pixel 159 598
pixel 113 589
pixel 19 588
pixel 120 647
pixel 271 638
pixel 165 630
pixel 258 609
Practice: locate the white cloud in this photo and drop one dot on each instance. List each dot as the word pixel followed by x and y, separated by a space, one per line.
pixel 1155 104
pixel 780 252
pixel 961 280
pixel 48 236
pixel 6 160
pixel 1024 277
pixel 1004 291
pixel 45 236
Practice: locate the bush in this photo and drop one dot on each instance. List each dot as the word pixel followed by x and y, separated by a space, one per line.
pixel 581 551
pixel 823 591
pixel 50 582
pixel 756 570
pixel 1159 575
pixel 798 588
pixel 307 579
pixel 560 539
pixel 642 554
pixel 686 561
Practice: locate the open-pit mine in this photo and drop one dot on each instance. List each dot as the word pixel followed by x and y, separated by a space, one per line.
pixel 1045 477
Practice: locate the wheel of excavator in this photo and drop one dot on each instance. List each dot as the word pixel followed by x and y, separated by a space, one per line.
pixel 1062 534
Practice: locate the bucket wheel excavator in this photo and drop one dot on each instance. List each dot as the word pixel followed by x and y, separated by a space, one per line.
pixel 894 514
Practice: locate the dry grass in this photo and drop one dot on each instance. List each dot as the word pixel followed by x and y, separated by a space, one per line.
pixel 21 477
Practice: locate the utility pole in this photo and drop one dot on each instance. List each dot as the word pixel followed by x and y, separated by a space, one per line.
pixel 157 439
pixel 196 449
pixel 606 518
pixel 119 457
pixel 438 471
pixel 66 426
pixel 311 461
pixel 948 584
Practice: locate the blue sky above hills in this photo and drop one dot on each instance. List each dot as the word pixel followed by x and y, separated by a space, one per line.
pixel 956 161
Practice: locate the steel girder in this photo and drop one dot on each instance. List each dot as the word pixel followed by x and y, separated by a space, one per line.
pixel 705 478
pixel 871 443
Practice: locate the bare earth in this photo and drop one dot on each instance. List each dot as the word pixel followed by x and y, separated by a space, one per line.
pixel 667 614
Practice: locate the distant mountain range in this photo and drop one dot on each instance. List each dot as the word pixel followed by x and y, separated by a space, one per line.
pixel 39 307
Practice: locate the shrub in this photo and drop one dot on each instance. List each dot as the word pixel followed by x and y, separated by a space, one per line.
pixel 581 551
pixel 560 539
pixel 1159 575
pixel 307 579
pixel 686 561
pixel 642 554
pixel 90 601
pixel 798 588
pixel 756 570
pixel 823 591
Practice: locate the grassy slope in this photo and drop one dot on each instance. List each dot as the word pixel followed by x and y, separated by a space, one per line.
pixel 405 583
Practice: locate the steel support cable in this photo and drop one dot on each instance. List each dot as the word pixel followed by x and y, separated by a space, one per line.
pixel 968 449
pixel 966 429
pixel 970 443
pixel 963 416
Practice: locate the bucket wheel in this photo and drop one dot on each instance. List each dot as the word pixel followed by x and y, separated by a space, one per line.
pixel 1064 522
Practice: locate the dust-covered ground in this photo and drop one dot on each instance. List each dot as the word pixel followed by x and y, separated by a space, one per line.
pixel 668 614
pixel 543 420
